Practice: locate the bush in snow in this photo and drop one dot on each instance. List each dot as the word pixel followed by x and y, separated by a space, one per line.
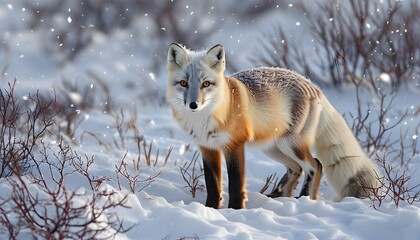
pixel 40 200
pixel 71 25
pixel 23 124
pixel 356 41
pixel 396 186
pixel 40 204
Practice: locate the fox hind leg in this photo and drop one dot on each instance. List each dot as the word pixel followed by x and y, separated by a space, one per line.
pixel 301 154
pixel 286 185
pixel 289 181
pixel 313 171
pixel 308 181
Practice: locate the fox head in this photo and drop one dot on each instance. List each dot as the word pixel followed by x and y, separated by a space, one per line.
pixel 195 79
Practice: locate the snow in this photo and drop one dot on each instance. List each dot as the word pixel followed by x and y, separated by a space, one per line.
pixel 165 209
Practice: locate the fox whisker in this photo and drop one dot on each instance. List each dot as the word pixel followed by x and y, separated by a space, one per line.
pixel 207 100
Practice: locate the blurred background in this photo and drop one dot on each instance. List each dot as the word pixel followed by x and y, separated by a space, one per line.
pixel 123 43
pixel 46 40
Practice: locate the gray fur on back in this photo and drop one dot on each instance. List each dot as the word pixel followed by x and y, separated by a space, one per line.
pixel 263 79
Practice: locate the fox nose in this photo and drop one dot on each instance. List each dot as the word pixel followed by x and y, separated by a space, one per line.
pixel 193 105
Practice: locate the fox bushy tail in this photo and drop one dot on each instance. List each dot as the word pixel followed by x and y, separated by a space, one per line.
pixel 349 171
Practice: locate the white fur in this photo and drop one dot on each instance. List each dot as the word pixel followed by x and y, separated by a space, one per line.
pixel 339 151
pixel 201 123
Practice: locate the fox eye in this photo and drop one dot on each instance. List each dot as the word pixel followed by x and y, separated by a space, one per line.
pixel 183 83
pixel 206 84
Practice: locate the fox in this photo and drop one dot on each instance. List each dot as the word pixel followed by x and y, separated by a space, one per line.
pixel 276 110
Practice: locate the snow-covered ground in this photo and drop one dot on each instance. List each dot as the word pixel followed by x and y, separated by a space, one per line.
pixel 165 209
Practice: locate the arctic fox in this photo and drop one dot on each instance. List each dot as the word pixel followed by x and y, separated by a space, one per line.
pixel 275 109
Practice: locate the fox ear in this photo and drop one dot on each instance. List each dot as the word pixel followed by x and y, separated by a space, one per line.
pixel 215 58
pixel 177 55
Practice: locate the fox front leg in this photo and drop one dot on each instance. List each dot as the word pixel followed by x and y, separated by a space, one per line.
pixel 212 161
pixel 235 161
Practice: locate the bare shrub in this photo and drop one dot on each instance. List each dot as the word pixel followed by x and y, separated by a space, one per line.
pixel 22 126
pixel 375 127
pixel 279 51
pixel 127 130
pixel 132 177
pixel 270 180
pixel 372 125
pixel 193 23
pixel 190 175
pixel 82 166
pixel 39 204
pixel 148 154
pixel 167 14
pixel 395 186
pixel 71 100
pixel 353 40
pixel 126 127
pixel 70 26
